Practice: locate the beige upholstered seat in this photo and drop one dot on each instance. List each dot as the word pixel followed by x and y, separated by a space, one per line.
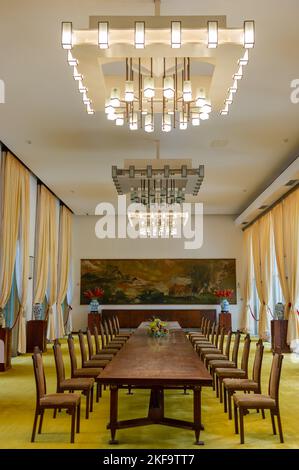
pixel 75 384
pixel 231 385
pixel 69 401
pixel 258 401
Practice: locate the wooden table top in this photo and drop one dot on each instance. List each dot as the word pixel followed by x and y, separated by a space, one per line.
pixel 144 360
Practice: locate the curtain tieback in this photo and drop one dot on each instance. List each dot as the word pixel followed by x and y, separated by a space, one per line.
pixel 20 313
pixel 252 314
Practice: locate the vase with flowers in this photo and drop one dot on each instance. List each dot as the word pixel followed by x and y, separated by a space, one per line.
pixel 94 295
pixel 224 296
pixel 157 328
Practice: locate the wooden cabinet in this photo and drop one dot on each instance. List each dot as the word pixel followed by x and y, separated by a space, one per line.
pixel 36 335
pixel 279 330
pixel 94 319
pixel 225 321
pixel 5 349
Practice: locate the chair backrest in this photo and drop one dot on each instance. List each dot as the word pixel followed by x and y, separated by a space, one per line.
pixel 89 343
pixel 228 343
pixel 257 363
pixel 39 374
pixel 222 336
pixel 110 328
pixel 216 337
pixel 204 328
pixel 212 333
pixel 236 348
pixel 72 353
pixel 117 322
pixel 116 329
pixel 60 370
pixel 245 354
pixel 106 331
pixel 207 328
pixel 82 347
pixel 103 336
pixel 202 323
pixel 274 379
pixel 96 339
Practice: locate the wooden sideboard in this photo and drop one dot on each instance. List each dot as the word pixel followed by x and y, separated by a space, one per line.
pixel 187 318
pixel 5 349
pixel 279 330
pixel 36 335
pixel 225 321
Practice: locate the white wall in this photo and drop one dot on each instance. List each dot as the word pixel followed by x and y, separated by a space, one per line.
pixel 222 239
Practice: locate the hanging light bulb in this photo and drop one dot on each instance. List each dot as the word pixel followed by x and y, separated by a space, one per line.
pixel 133 121
pixel 200 97
pixel 149 123
pixel 139 34
pixel 204 116
pixel 207 107
pixel 166 123
pixel 183 121
pixel 245 58
pixel 111 116
pixel 67 35
pixel 187 91
pixel 195 119
pixel 129 91
pixel 120 120
pixel 89 109
pixel 239 74
pixel 234 88
pixel 71 59
pixel 149 87
pixel 212 34
pixel 230 98
pixel 224 111
pixel 176 40
pixel 249 34
pixel 103 34
pixel 85 98
pixel 115 97
pixel 82 88
pixel 76 74
pixel 168 87
pixel 108 108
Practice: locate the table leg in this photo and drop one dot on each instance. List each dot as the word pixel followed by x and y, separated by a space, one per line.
pixel 113 413
pixel 197 414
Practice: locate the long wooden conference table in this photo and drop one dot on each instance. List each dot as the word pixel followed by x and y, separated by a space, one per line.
pixel 157 364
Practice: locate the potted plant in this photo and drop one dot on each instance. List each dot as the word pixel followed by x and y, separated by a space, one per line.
pixel 224 295
pixel 94 295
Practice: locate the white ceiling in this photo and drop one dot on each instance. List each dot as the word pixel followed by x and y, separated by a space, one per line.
pixel 73 152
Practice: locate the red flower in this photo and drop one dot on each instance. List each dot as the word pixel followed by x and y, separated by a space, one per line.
pixel 226 294
pixel 97 292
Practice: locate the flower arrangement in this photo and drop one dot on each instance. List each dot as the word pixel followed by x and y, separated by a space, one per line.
pixel 224 294
pixel 157 328
pixel 95 294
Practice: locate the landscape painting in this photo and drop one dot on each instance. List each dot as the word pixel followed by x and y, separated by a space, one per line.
pixel 158 281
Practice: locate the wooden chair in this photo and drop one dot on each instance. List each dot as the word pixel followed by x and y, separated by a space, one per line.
pixel 84 360
pixel 116 328
pixel 204 334
pixel 119 338
pixel 216 348
pixel 85 372
pixel 68 401
pixel 243 403
pixel 230 386
pixel 91 355
pixel 110 342
pixel 222 362
pixel 217 354
pixel 213 342
pixel 79 384
pixel 238 373
pixel 101 347
pixel 201 329
pixel 209 338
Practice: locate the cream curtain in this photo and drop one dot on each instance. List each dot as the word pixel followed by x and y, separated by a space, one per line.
pixel 247 278
pixel 279 243
pixel 22 258
pixel 261 250
pixel 46 255
pixel 64 263
pixel 15 225
pixel 290 207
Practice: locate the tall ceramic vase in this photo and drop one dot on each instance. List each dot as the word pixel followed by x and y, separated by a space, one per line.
pixel 224 306
pixel 94 306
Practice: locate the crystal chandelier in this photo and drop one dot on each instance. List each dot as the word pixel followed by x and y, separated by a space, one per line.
pixel 147 93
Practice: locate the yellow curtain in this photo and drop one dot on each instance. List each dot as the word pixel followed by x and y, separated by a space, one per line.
pixel 291 239
pixel 261 250
pixel 247 278
pixel 46 255
pixel 11 205
pixel 23 261
pixel 64 264
pixel 278 231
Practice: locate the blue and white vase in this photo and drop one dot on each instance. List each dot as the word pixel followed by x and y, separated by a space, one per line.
pixel 94 306
pixel 224 305
pixel 38 310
